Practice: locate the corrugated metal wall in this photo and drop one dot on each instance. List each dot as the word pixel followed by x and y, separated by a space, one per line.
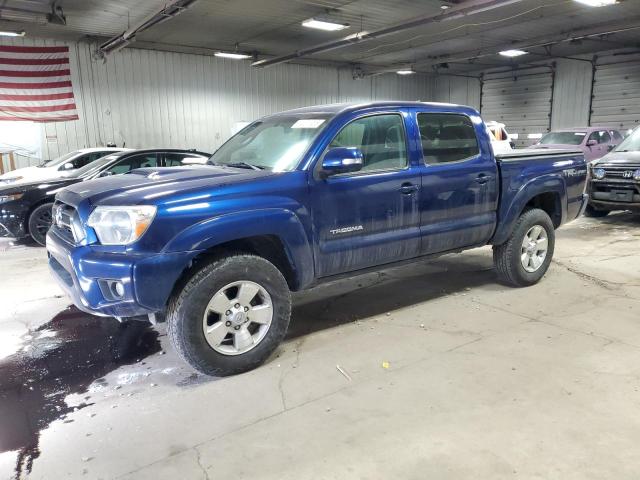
pixel 144 98
pixel 616 92
pixel 521 100
pixel 571 94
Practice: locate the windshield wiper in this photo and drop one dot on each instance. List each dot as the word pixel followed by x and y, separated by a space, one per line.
pixel 244 165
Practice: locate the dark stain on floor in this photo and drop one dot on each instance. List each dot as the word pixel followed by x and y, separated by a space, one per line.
pixel 62 357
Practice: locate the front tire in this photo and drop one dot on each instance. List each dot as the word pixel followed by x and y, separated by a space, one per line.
pixel 525 257
pixel 40 222
pixel 592 212
pixel 230 315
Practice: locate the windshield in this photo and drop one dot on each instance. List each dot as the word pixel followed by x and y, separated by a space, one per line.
pixel 94 167
pixel 275 143
pixel 59 160
pixel 631 143
pixel 563 138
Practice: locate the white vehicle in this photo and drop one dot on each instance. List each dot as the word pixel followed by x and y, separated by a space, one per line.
pixel 500 139
pixel 59 168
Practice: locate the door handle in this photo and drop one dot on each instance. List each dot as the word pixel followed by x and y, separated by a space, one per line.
pixel 408 188
pixel 483 178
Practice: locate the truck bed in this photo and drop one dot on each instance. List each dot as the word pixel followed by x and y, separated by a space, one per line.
pixel 532 170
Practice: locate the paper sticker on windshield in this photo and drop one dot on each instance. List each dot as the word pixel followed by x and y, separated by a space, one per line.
pixel 308 123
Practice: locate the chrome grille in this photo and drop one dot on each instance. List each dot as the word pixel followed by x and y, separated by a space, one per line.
pixel 619 171
pixel 62 217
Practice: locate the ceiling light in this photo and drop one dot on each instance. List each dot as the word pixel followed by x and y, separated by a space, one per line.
pixel 597 3
pixel 233 55
pixel 512 53
pixel 444 6
pixel 406 72
pixel 12 34
pixel 327 25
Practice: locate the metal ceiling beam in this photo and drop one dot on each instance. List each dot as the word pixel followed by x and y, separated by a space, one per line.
pixel 118 42
pixel 605 28
pixel 471 7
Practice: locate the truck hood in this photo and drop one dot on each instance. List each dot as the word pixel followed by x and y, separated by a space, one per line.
pixel 619 158
pixel 152 186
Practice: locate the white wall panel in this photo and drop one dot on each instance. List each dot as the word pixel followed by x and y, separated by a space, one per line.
pixel 616 92
pixel 149 98
pixel 571 94
pixel 522 101
pixel 460 90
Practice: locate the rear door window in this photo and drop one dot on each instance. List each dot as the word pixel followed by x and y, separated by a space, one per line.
pixel 178 159
pixel 601 136
pixel 447 137
pixel 136 161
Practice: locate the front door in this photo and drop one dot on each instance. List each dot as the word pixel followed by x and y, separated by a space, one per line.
pixel 370 217
pixel 459 183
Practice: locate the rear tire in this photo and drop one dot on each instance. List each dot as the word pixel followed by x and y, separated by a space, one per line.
pixel 592 212
pixel 40 222
pixel 243 291
pixel 525 257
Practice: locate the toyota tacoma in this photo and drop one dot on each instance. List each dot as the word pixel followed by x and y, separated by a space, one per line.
pixel 296 199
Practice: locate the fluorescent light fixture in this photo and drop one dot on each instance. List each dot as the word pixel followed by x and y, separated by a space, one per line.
pixel 233 55
pixel 512 53
pixel 514 136
pixel 597 3
pixel 327 25
pixel 11 34
pixel 533 136
pixel 405 72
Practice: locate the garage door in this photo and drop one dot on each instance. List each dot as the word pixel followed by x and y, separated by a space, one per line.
pixel 616 92
pixel 520 100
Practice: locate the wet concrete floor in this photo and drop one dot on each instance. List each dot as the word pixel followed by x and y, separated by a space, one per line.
pixel 449 374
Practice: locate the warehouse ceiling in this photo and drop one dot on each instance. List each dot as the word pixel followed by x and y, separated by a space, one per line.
pixel 272 28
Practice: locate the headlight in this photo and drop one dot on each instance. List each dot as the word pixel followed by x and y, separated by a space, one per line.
pixel 598 173
pixel 10 198
pixel 636 175
pixel 121 225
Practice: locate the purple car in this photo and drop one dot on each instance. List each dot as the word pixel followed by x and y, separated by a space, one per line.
pixel 595 142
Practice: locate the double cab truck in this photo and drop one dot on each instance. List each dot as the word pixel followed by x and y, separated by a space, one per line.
pixel 614 183
pixel 296 199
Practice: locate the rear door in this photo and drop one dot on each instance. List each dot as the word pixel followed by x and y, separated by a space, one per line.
pixel 459 193
pixel 369 217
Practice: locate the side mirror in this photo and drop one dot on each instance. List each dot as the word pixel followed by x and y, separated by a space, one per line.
pixel 106 173
pixel 342 160
pixel 591 143
pixel 67 166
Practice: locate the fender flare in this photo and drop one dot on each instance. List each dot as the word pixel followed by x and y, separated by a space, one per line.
pixel 281 223
pixel 551 183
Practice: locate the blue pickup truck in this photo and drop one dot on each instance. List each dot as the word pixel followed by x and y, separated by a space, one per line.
pixel 300 198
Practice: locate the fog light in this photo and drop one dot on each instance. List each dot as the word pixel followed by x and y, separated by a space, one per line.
pixel 636 175
pixel 117 289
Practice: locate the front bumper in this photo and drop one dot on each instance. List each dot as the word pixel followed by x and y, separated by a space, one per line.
pixel 83 272
pixel 614 195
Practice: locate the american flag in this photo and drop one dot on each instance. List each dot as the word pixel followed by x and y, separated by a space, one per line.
pixel 35 84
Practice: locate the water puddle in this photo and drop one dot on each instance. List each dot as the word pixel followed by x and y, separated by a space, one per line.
pixel 62 357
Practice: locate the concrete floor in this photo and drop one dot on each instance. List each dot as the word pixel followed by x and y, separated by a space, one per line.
pixel 449 375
